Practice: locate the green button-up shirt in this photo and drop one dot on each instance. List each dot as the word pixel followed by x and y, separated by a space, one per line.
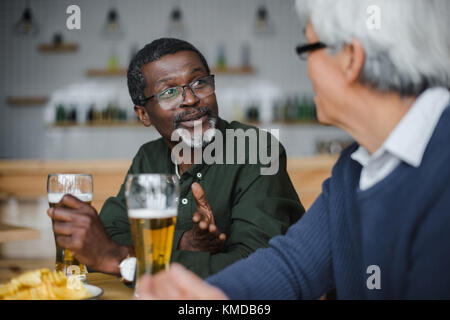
pixel 248 207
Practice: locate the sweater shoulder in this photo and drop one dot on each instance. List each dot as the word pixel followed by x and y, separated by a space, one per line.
pixel 439 145
pixel 435 162
pixel 345 161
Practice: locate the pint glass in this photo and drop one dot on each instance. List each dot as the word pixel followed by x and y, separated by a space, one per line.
pixel 79 186
pixel 152 201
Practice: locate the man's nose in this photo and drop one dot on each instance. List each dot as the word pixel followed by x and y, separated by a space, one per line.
pixel 189 98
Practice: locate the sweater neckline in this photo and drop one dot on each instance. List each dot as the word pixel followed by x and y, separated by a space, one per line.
pixel 385 183
pixel 402 167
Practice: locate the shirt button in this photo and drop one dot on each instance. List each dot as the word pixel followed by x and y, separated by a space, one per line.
pixel 184 201
pixel 199 175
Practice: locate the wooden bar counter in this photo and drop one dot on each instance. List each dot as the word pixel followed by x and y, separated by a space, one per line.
pixel 27 179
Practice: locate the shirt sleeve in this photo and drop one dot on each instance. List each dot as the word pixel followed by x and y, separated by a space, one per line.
pixel 264 206
pixel 114 214
pixel 297 265
pixel 115 219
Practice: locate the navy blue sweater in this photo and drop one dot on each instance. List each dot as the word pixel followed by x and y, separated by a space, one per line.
pixel 391 241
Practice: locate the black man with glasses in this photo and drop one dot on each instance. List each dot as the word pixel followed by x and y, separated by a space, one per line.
pixel 225 211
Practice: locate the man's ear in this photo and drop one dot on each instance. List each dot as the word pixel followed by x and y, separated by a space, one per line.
pixel 142 114
pixel 353 61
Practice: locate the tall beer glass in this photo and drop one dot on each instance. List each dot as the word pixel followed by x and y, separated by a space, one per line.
pixel 152 201
pixel 79 186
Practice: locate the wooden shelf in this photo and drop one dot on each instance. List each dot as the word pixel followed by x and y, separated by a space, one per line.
pixel 119 72
pixel 26 101
pixel 98 124
pixel 58 48
pixel 297 122
pixel 233 70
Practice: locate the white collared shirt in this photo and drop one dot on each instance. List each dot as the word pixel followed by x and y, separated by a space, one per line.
pixel 407 142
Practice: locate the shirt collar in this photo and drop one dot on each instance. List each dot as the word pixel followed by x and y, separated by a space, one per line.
pixel 410 137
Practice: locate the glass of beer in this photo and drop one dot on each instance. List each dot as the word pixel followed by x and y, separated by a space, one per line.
pixel 152 201
pixel 79 186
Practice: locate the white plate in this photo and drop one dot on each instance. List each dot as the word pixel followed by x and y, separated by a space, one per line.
pixel 95 291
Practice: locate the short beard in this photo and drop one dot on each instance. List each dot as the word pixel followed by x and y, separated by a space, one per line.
pixel 199 141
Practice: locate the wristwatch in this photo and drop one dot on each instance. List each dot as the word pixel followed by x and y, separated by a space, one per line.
pixel 128 268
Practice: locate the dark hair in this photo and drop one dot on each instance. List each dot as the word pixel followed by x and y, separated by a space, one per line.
pixel 153 52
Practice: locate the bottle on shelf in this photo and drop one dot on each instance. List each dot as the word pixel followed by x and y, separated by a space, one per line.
pixel 294 109
pixel 94 113
pixel 291 111
pixel 113 61
pixel 61 115
pixel 245 56
pixel 221 62
pixel 252 114
pixel 72 114
pixel 122 115
pixel 238 114
pixel 90 113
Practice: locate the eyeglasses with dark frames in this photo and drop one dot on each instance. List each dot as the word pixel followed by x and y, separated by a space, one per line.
pixel 304 49
pixel 172 97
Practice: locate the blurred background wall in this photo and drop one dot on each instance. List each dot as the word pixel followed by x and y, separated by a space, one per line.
pixel 273 93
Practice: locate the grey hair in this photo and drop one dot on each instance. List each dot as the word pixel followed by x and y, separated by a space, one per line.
pixel 409 53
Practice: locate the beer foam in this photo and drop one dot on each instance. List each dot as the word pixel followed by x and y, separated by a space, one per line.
pixel 151 213
pixel 56 197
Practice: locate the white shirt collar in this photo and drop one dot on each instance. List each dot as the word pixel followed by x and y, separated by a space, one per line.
pixel 410 137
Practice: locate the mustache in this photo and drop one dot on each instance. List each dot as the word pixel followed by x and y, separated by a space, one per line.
pixel 178 118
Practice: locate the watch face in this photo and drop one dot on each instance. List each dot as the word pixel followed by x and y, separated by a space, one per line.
pixel 128 268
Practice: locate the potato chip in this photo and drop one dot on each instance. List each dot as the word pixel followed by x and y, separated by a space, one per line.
pixel 43 284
